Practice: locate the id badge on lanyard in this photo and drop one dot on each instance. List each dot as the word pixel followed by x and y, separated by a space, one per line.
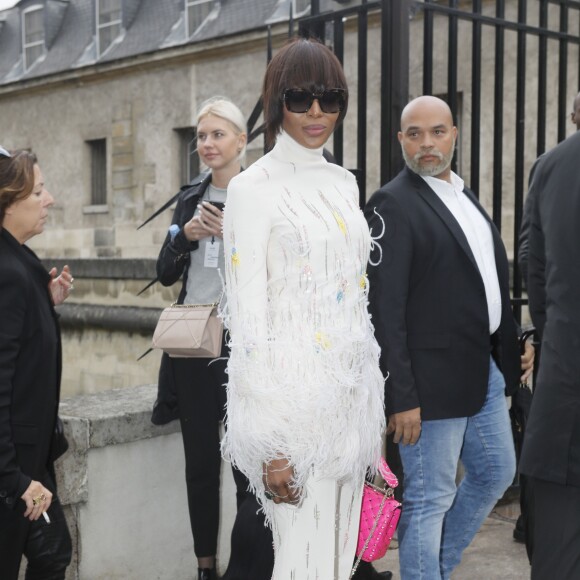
pixel 212 254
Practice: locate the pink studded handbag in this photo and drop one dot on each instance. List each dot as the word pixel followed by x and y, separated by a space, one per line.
pixel 378 519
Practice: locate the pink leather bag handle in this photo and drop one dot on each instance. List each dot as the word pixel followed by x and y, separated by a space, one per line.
pixel 387 474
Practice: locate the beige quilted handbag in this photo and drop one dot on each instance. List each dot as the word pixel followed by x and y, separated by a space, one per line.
pixel 189 330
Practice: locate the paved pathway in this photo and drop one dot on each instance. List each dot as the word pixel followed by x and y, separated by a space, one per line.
pixel 493 555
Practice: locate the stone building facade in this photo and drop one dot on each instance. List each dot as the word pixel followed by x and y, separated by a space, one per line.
pixel 115 84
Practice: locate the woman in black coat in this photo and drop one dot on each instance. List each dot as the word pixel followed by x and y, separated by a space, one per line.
pixel 31 518
pixel 194 388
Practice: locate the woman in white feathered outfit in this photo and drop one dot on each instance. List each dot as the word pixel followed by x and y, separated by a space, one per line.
pixel 305 395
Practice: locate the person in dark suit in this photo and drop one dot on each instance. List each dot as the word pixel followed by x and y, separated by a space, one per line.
pixel 523 531
pixel 440 304
pixel 526 216
pixel 31 518
pixel 551 451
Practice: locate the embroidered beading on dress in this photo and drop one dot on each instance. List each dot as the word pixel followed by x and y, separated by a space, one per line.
pixel 304 379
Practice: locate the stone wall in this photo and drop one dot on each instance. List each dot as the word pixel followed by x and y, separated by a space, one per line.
pixel 107 327
pixel 122 484
pixel 138 105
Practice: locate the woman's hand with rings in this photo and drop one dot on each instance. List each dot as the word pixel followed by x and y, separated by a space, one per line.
pixel 37 499
pixel 212 218
pixel 277 479
pixel 60 285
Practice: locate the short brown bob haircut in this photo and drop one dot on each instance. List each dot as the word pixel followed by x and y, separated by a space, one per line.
pixel 16 178
pixel 300 64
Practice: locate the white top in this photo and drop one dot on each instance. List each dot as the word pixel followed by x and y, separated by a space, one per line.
pixel 304 379
pixel 477 230
pixel 204 282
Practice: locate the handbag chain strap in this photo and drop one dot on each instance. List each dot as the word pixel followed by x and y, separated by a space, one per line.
pixel 388 492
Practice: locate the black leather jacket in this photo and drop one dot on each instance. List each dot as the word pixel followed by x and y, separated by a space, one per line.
pixel 173 260
pixel 173 264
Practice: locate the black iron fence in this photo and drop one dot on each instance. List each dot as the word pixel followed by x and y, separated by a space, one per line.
pixel 509 70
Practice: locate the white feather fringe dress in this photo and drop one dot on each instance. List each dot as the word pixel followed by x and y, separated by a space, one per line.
pixel 303 375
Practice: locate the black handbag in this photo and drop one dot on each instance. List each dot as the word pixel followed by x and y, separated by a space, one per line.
pixel 59 444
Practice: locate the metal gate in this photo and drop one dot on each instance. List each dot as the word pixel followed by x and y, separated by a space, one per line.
pixel 509 70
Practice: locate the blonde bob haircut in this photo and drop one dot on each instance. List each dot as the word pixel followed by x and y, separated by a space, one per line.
pixel 224 108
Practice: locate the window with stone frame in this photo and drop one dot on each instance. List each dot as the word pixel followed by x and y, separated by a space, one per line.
pixel 188 157
pixel 109 23
pixel 33 46
pixel 197 11
pixel 98 157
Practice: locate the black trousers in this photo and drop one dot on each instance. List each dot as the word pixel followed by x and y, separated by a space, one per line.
pixel 556 554
pixel 252 550
pixel 201 395
pixel 47 547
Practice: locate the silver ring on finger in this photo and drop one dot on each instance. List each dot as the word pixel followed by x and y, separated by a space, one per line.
pixel 273 494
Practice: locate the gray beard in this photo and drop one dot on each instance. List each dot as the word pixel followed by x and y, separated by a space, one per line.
pixel 434 170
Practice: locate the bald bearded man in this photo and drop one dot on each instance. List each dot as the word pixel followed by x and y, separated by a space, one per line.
pixel 440 304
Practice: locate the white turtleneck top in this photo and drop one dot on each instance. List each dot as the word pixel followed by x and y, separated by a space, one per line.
pixel 303 374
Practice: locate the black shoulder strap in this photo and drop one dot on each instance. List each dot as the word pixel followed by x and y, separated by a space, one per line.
pixel 160 210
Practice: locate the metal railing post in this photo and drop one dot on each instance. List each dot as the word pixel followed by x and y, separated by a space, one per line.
pixel 394 82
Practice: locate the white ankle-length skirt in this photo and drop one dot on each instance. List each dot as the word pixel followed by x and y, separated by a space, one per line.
pixel 317 540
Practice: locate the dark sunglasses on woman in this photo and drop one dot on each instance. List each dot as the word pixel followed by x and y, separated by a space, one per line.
pixel 300 100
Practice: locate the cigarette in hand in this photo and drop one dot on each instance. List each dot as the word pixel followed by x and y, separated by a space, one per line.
pixel 46 518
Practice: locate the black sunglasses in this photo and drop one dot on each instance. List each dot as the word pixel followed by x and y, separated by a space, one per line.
pixel 300 100
pixel 4 152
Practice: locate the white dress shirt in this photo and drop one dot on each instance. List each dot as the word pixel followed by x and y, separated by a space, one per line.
pixel 477 230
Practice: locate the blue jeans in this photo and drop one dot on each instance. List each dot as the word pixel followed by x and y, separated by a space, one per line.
pixel 439 518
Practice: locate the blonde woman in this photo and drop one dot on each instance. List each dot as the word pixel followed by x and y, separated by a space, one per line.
pixel 193 252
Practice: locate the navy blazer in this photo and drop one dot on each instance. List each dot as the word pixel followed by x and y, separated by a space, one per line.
pixel 428 304
pixel 30 370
